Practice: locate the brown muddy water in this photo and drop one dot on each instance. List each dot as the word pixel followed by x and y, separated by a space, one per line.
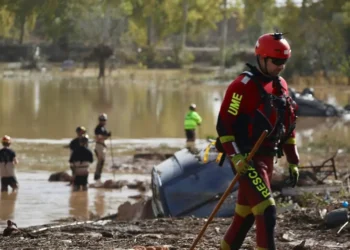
pixel 41 115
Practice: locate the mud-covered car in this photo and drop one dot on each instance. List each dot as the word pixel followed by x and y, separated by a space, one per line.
pixel 309 105
pixel 184 185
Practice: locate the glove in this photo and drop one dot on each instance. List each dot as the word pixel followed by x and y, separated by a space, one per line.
pixel 293 174
pixel 240 164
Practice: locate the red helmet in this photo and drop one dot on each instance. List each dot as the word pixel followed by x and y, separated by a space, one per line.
pixel 272 45
pixel 6 139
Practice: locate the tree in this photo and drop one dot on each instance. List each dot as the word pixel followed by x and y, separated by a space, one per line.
pixel 259 18
pixel 223 38
pixel 25 13
pixel 7 19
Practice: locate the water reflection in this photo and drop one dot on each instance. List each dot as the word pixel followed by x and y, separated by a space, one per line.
pixel 52 109
pixel 79 205
pixel 36 98
pixel 99 202
pixel 39 201
pixel 7 205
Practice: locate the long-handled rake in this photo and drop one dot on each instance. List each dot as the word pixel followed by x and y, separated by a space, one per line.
pixel 114 166
pixel 228 190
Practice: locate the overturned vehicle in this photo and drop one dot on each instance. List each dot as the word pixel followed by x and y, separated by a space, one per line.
pixel 311 106
pixel 191 184
pixel 186 185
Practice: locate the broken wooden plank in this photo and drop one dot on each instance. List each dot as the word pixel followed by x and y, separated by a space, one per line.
pixel 99 222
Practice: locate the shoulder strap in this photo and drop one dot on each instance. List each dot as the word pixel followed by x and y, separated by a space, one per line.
pixel 251 76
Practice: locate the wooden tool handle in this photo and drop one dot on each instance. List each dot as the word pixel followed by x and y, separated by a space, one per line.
pixel 228 190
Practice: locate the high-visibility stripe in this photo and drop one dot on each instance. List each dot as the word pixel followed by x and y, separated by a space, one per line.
pixel 242 210
pixel 227 138
pixel 218 158
pixel 259 209
pixel 224 245
pixel 291 140
pixel 206 153
pixel 236 148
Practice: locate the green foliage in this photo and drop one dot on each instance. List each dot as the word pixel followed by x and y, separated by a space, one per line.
pixel 185 57
pixel 311 200
pixel 318 31
pixel 7 19
pixel 24 12
pixel 344 65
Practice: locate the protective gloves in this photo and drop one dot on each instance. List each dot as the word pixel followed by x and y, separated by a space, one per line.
pixel 293 174
pixel 240 163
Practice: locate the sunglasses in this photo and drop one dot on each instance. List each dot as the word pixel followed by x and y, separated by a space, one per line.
pixel 278 61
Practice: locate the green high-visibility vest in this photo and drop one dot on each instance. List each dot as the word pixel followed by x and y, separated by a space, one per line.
pixel 192 119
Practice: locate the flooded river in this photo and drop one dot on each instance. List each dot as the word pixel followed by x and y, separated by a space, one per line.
pixel 42 115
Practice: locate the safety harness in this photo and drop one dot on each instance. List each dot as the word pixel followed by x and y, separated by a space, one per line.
pixel 281 103
pixel 277 133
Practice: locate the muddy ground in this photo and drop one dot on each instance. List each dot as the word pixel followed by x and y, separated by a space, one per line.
pixel 293 227
pixel 174 233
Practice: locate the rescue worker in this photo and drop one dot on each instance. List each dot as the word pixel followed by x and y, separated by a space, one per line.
pixel 192 120
pixel 101 135
pixel 75 143
pixel 255 101
pixel 80 160
pixel 8 161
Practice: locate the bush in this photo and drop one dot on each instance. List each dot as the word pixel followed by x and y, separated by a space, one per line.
pixel 151 58
pixel 186 57
pixel 234 56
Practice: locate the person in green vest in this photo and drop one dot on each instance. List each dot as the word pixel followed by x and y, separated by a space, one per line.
pixel 192 120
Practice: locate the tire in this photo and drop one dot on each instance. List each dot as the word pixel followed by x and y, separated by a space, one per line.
pixel 330 111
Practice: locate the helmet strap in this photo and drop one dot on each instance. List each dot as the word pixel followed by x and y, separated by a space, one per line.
pixel 263 69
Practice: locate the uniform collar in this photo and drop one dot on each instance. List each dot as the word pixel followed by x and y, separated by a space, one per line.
pixel 262 78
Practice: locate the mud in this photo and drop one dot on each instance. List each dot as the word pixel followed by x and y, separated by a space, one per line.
pixel 293 227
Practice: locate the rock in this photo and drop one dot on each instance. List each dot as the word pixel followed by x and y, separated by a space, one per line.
pixel 110 184
pixel 67 241
pixel 10 229
pixel 151 248
pixel 115 184
pixel 286 237
pixel 137 197
pixel 140 185
pixel 302 246
pixel 139 210
pixel 107 234
pixel 61 176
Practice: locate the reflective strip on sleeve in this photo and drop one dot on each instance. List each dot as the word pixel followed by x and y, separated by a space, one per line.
pixel 206 153
pixel 291 140
pixel 236 148
pixel 227 138
pixel 245 80
pixel 218 158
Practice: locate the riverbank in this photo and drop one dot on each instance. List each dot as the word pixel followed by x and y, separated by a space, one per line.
pixel 195 74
